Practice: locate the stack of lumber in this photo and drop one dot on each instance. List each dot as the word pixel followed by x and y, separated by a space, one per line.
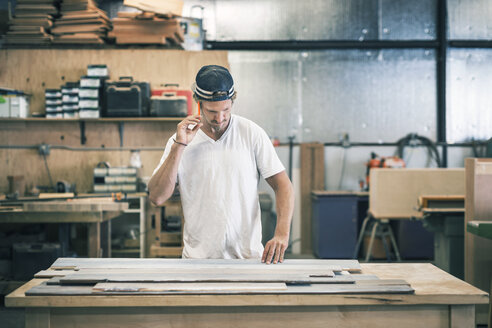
pixel 80 276
pixel 32 22
pixel 165 7
pixel 146 28
pixel 81 21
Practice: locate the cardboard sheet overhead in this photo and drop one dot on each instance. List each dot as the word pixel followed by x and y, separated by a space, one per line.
pixel 31 22
pixel 165 7
pixel 146 28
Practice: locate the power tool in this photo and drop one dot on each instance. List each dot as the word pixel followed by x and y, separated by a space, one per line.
pixel 377 161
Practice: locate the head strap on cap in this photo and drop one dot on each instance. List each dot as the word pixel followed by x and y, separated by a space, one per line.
pixel 213 83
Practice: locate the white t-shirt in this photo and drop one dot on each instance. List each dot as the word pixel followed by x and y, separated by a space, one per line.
pixel 218 183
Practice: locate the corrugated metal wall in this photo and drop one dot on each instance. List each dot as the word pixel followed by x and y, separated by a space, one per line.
pixel 376 95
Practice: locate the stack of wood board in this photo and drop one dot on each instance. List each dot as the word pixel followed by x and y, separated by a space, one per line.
pixel 32 22
pixel 146 28
pixel 70 276
pixel 164 7
pixel 81 21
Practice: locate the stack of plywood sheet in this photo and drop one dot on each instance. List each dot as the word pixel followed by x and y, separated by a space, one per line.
pixel 164 7
pixel 32 22
pixel 81 21
pixel 146 28
pixel 69 276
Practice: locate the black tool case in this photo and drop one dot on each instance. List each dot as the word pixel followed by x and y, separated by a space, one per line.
pixel 126 98
pixel 169 105
pixel 29 259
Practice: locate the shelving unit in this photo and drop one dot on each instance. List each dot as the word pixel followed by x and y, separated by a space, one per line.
pixel 168 244
pixel 93 120
pixel 83 121
pixel 138 246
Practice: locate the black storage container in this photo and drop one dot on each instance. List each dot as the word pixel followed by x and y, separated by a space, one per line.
pixel 28 259
pixel 334 224
pixel 168 105
pixel 126 98
pixel 414 241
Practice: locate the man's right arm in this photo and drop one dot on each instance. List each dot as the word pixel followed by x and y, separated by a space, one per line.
pixel 161 185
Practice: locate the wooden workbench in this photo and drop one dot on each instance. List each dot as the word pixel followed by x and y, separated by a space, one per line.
pixel 96 213
pixel 440 300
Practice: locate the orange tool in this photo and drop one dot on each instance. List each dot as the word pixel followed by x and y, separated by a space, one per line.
pixel 117 196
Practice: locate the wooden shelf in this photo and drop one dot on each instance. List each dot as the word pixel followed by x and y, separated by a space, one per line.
pixel 96 120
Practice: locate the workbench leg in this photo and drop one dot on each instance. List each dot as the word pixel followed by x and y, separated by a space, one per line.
pixel 106 238
pixel 143 230
pixel 371 241
pixel 64 237
pixel 94 239
pixel 393 242
pixel 361 237
pixel 37 318
pixel 462 316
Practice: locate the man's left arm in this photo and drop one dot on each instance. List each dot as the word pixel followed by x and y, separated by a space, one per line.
pixel 284 196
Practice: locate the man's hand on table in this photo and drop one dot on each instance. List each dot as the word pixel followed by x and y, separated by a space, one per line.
pixel 275 249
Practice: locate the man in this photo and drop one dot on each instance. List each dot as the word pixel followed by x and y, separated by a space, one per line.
pixel 216 159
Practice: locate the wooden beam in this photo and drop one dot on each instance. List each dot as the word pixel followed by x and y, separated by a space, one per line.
pixel 312 178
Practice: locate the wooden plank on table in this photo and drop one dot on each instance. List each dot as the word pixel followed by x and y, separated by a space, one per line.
pixel 54 281
pixel 312 178
pixel 382 282
pixel 235 288
pixel 211 288
pixel 185 287
pixel 142 288
pixel 251 264
pixel 205 271
pixel 210 270
pixel 52 273
pixel 86 279
pixel 45 289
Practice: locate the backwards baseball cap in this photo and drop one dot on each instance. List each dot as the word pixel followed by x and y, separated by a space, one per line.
pixel 213 83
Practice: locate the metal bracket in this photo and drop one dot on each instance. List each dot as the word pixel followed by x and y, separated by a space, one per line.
pixel 83 139
pixel 121 127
